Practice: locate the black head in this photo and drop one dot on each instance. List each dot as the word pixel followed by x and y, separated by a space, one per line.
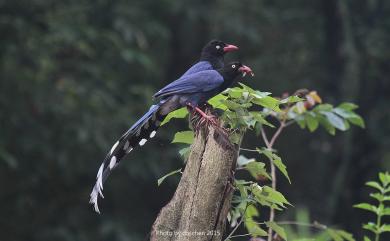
pixel 234 69
pixel 218 48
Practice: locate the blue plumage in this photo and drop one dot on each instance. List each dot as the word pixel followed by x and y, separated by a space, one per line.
pixel 195 86
pixel 202 81
pixel 200 66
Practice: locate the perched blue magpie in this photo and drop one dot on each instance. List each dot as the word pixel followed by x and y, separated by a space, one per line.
pixel 211 56
pixel 191 90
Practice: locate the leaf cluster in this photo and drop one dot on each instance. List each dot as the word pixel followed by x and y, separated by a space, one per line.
pixel 382 207
pixel 245 109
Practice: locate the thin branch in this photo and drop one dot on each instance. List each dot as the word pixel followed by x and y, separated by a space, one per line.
pixel 273 172
pixel 277 133
pixel 251 150
pixel 240 235
pixel 264 136
pixel 289 123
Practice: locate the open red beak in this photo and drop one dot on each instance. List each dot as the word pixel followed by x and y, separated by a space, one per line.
pixel 230 48
pixel 246 70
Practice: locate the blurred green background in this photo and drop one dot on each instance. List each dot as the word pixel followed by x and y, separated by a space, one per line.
pixel 74 75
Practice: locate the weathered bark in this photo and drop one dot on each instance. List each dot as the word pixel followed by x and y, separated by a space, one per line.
pixel 199 207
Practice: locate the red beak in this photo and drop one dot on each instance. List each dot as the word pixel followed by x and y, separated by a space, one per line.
pixel 245 70
pixel 230 48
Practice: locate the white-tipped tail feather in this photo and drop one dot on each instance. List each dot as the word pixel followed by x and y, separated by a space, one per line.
pixel 113 147
pixel 94 199
pixel 139 133
pixel 142 142
pixel 112 162
pixel 97 189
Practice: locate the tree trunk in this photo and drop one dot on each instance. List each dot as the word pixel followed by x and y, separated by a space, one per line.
pixel 200 205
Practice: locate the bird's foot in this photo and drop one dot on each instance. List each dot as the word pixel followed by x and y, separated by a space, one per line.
pixel 202 118
pixel 207 118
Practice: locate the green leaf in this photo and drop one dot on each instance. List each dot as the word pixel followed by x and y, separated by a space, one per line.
pixel 267 102
pixel 385 228
pixel 232 105
pixel 366 206
pixel 350 116
pixel 334 235
pixel 335 120
pixel 377 196
pixel 249 120
pixel 247 88
pixel 312 122
pixel 216 102
pixel 180 114
pixel 275 195
pixel 257 170
pixel 279 230
pixel 384 177
pixel 235 137
pixel 375 185
pixel 260 94
pixel 276 160
pixel 348 106
pixel 344 113
pixel 235 93
pixel 345 235
pixel 357 120
pixel 291 99
pixel 184 137
pixel 366 238
pixel 386 212
pixel 256 189
pixel 160 180
pixel 243 190
pixel 301 122
pixel 258 116
pixel 325 123
pixel 250 224
pixel 251 211
pixel 254 229
pixel 185 152
pixel 282 168
pixel 371 227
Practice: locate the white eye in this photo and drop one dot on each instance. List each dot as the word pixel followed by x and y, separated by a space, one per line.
pixel 217 47
pixel 233 66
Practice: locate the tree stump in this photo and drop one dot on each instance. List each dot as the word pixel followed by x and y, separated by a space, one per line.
pixel 199 207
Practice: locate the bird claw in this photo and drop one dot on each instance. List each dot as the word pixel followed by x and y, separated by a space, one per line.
pixel 206 119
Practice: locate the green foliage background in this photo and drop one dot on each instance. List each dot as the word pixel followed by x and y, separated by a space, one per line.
pixel 75 74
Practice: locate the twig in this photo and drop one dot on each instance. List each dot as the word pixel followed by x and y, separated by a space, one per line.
pixel 273 169
pixel 244 149
pixel 264 135
pixel 289 123
pixel 277 133
pixel 240 235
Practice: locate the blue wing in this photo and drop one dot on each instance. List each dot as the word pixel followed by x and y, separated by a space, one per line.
pixel 200 66
pixel 202 81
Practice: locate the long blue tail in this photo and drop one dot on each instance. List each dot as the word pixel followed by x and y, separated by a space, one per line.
pixel 144 129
